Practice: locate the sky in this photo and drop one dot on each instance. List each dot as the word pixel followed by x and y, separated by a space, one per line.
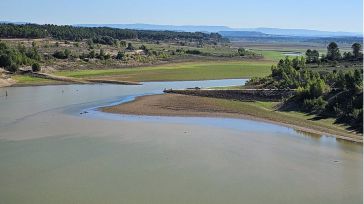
pixel 329 15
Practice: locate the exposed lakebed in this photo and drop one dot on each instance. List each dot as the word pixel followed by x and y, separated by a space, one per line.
pixel 50 153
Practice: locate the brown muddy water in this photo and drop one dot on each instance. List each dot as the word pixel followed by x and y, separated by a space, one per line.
pixel 50 153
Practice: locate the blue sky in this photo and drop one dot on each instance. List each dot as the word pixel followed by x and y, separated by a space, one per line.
pixel 331 15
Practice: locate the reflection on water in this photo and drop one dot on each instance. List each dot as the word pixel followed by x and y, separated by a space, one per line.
pixel 50 153
pixel 27 101
pixel 292 53
pixel 305 133
pixel 333 141
pixel 243 125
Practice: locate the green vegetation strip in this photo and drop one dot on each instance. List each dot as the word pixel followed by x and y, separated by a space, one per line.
pixel 181 71
pixel 30 80
pixel 273 55
pixel 267 110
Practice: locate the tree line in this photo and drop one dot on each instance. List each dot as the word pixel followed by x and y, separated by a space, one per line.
pixel 333 54
pixel 103 34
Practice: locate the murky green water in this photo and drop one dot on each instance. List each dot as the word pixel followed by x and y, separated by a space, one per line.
pixel 49 153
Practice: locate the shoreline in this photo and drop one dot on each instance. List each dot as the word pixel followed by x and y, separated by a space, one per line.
pixel 53 82
pixel 195 106
pixel 99 80
pixel 172 71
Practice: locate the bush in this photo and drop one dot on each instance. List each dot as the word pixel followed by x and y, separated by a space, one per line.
pixel 35 67
pixel 130 47
pixel 5 60
pixel 67 53
pixel 142 47
pixel 92 54
pixel 106 40
pixel 107 56
pixel 357 115
pixel 193 52
pixel 316 105
pixel 12 68
pixel 122 43
pixel 318 88
pixel 120 55
pixel 59 55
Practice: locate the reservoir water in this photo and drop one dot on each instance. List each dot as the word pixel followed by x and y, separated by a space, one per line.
pixel 50 153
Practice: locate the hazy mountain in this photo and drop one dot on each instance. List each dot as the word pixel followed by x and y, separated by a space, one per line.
pixel 304 32
pixel 17 23
pixel 222 29
pixel 243 34
pixel 186 28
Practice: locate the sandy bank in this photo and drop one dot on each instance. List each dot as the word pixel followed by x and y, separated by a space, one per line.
pixel 5 80
pixel 183 105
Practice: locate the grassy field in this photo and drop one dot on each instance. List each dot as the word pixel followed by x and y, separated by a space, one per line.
pixel 273 55
pixel 180 71
pixel 29 80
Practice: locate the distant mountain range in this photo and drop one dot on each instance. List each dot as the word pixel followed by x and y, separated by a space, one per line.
pixel 244 34
pixel 227 31
pixel 305 32
pixel 140 26
pixel 13 22
pixel 224 30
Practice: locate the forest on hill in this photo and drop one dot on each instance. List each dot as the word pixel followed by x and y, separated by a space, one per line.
pixel 66 32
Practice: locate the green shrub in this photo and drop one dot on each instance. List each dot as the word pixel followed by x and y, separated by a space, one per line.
pixel 130 47
pixel 12 68
pixel 193 52
pixel 35 67
pixel 120 55
pixel 316 105
pixel 59 55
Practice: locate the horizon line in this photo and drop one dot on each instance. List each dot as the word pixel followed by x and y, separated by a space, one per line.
pixel 182 25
